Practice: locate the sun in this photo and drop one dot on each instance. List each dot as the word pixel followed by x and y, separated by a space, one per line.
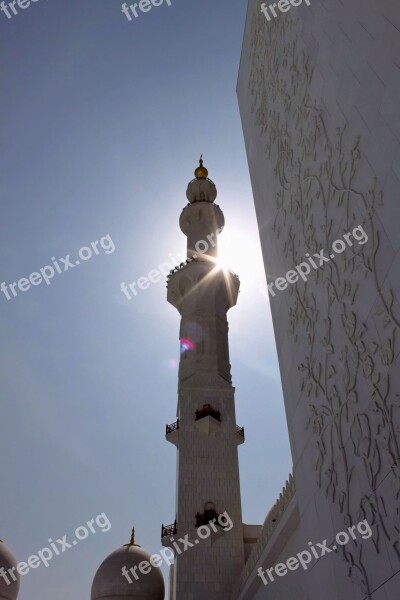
pixel 242 254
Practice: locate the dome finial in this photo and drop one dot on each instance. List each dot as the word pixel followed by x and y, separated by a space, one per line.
pixel 201 172
pixel 132 541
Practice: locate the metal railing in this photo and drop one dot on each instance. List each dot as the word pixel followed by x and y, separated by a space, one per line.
pixel 167 530
pixel 172 427
pixel 240 430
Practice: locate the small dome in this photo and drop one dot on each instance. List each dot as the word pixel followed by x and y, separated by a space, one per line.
pixel 111 584
pixel 8 587
pixel 201 172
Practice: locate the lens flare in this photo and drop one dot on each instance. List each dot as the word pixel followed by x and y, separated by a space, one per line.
pixel 186 345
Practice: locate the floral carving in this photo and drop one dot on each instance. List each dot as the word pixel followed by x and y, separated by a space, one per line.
pixel 348 354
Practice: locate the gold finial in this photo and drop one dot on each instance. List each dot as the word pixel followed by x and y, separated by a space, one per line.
pixel 201 172
pixel 132 542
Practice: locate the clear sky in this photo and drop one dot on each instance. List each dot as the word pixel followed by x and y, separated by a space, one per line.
pixel 102 124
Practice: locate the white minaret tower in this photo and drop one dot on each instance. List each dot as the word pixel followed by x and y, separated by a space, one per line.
pixel 205 434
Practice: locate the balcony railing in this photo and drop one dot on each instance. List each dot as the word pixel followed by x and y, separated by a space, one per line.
pixel 184 264
pixel 172 427
pixel 167 530
pixel 208 411
pixel 181 266
pixel 240 430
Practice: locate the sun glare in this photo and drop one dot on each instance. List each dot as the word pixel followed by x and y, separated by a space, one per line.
pixel 241 254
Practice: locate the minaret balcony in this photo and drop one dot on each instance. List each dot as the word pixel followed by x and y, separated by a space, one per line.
pixel 172 433
pixel 179 267
pixel 199 283
pixel 240 439
pixel 167 531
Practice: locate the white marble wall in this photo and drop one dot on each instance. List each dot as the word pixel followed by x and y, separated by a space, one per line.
pixel 319 93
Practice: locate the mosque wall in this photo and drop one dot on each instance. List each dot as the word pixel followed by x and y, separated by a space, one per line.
pixel 319 96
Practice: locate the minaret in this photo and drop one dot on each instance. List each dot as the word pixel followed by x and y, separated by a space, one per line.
pixel 205 434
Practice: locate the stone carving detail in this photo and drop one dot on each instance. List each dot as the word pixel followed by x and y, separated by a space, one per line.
pixel 345 320
pixel 270 524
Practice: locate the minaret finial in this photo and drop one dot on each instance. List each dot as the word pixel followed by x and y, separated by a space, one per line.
pixel 201 172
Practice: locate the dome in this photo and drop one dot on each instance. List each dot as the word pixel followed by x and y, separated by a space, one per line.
pixel 111 584
pixel 8 587
pixel 201 172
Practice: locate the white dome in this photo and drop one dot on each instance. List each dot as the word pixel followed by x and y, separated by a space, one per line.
pixel 110 584
pixel 8 591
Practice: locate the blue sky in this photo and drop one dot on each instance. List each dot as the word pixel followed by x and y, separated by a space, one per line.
pixel 102 123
